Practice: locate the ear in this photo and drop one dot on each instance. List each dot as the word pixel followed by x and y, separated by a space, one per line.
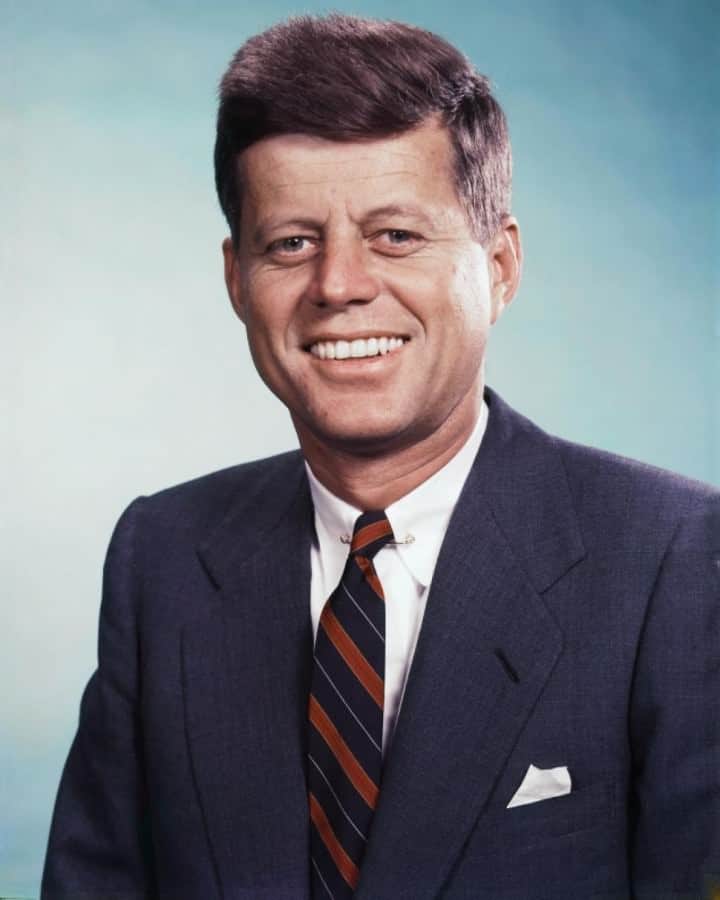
pixel 504 257
pixel 232 277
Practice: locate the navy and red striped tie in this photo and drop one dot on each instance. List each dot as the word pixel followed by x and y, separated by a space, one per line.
pixel 346 716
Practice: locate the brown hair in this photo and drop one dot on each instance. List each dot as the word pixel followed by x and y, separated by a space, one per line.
pixel 342 78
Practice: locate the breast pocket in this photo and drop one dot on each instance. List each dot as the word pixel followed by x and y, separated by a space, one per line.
pixel 581 810
pixel 570 846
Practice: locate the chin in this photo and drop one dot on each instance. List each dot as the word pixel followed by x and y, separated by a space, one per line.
pixel 363 436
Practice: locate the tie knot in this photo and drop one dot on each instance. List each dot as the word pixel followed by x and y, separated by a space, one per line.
pixel 372 531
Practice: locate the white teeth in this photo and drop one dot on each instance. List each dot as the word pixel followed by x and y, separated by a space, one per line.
pixel 356 349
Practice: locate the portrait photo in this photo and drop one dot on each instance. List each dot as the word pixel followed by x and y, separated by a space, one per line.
pixel 312 309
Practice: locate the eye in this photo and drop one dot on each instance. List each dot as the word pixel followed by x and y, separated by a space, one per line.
pixel 289 245
pixel 398 241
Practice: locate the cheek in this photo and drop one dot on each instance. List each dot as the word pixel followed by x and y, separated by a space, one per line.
pixel 272 303
pixel 466 312
pixel 471 290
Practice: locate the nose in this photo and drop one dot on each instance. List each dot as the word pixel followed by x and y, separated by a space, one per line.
pixel 343 273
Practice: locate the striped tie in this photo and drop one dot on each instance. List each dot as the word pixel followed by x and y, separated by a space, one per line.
pixel 346 715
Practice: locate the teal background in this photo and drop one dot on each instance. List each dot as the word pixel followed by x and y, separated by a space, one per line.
pixel 125 370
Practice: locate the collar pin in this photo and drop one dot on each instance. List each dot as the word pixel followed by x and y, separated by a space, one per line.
pixel 408 539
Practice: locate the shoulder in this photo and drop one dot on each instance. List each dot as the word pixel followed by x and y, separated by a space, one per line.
pixel 639 511
pixel 608 485
pixel 592 471
pixel 196 507
pixel 618 502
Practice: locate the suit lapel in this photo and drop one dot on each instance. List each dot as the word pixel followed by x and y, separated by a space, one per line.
pixel 486 649
pixel 246 671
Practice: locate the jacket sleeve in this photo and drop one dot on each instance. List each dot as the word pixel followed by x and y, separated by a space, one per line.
pixel 675 720
pixel 99 838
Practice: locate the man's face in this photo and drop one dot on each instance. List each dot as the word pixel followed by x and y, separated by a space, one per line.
pixel 366 299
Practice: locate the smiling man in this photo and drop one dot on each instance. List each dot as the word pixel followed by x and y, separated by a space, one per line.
pixel 368 300
pixel 436 652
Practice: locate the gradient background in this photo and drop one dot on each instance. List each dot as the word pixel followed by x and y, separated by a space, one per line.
pixel 125 369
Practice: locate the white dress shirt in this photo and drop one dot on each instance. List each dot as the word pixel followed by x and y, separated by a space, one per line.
pixel 405 570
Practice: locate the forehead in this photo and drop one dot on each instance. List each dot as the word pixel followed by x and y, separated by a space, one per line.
pixel 295 169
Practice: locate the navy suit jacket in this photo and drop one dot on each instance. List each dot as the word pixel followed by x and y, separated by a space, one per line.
pixel 573 620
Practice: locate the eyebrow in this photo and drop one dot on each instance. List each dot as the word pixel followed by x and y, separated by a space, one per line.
pixel 392 209
pixel 264 227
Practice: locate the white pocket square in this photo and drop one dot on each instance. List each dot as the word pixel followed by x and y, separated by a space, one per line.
pixel 542 784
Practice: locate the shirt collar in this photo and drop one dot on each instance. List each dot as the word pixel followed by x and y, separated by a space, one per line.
pixel 423 514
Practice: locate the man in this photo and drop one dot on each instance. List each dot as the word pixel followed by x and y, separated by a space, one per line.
pixel 513 690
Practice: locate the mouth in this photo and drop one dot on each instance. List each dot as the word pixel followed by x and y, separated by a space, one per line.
pixel 357 348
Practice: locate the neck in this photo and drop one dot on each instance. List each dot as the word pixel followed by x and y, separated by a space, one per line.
pixel 374 481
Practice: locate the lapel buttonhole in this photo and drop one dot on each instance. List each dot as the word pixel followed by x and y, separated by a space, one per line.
pixel 507 666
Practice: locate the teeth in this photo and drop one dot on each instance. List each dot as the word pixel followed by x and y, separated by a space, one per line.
pixel 357 349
